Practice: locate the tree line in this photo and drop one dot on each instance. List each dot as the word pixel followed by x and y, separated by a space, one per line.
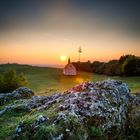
pixel 127 65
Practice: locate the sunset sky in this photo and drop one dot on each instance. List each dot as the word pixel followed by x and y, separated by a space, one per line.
pixel 43 31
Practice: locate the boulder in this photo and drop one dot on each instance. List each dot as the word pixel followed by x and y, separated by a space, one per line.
pixel 105 102
pixel 20 93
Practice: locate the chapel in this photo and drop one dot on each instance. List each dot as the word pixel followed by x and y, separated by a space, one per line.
pixel 69 69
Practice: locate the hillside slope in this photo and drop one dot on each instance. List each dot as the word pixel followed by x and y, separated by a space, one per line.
pixel 101 110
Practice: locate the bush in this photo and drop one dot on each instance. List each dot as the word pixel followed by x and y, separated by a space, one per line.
pixel 9 81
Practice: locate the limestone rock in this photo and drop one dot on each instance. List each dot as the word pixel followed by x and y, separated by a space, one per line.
pixel 41 119
pixel 104 104
pixel 19 93
pixel 22 92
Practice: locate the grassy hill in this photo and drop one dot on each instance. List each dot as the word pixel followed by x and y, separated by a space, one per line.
pixel 44 80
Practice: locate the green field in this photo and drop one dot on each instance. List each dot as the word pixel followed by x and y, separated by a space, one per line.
pixel 47 80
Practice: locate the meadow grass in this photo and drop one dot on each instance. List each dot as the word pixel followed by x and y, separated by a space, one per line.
pixel 45 80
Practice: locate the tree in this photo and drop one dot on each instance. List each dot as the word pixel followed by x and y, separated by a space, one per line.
pixel 98 67
pixel 111 68
pixel 131 66
pixel 127 65
pixel 9 81
pixel 1 82
pixel 9 78
pixel 22 80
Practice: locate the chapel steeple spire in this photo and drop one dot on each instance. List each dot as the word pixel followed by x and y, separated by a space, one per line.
pixel 69 60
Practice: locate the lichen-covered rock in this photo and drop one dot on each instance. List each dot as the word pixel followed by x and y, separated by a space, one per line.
pixel 43 102
pixel 4 98
pixel 106 101
pixel 104 104
pixel 41 119
pixel 22 92
pixel 19 93
pixel 16 106
pixel 20 128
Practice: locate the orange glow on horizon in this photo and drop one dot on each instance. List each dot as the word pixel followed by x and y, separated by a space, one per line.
pixel 61 29
pixel 41 48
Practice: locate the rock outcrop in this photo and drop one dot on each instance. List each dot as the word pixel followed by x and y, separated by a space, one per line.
pixel 19 93
pixel 103 104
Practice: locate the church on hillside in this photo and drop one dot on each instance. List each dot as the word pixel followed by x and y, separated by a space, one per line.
pixel 69 69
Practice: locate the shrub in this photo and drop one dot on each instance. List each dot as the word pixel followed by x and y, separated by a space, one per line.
pixel 9 81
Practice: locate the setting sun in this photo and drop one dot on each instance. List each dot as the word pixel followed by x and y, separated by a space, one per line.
pixel 63 58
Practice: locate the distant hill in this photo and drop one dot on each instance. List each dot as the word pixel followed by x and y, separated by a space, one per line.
pixel 15 65
pixel 21 67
